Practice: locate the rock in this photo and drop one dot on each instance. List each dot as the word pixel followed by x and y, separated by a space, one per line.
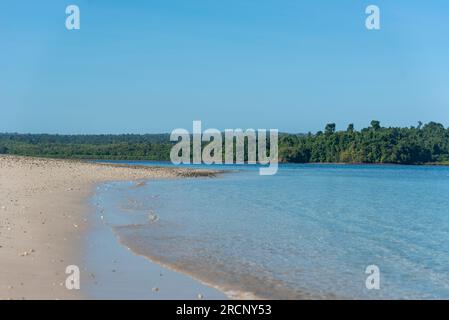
pixel 155 289
pixel 200 296
pixel 152 217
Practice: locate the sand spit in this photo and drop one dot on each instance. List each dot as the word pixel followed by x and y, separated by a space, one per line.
pixel 44 215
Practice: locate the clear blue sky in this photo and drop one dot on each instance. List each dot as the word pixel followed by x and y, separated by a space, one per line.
pixel 152 66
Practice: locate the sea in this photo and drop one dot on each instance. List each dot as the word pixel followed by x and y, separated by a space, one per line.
pixel 312 231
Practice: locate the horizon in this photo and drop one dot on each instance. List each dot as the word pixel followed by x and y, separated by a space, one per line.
pixel 338 129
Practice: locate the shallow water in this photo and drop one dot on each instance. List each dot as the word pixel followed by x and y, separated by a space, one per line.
pixel 112 271
pixel 308 232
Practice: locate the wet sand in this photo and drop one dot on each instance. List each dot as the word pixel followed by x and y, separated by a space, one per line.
pixel 44 219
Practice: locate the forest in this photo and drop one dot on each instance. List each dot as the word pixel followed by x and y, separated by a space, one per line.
pixel 421 144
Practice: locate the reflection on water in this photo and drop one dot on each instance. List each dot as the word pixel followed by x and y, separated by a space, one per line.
pixel 308 232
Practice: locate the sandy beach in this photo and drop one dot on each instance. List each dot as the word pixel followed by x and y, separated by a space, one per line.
pixel 44 217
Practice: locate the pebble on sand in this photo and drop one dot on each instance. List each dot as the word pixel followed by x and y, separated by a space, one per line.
pixel 27 253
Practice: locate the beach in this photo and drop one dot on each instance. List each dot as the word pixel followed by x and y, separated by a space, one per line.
pixel 45 216
pixel 139 230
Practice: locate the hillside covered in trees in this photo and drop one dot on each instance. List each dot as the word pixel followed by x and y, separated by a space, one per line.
pixel 427 143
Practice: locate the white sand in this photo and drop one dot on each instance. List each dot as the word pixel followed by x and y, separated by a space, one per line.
pixel 44 217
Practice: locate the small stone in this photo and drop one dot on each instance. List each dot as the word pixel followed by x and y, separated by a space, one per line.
pixel 155 289
pixel 200 296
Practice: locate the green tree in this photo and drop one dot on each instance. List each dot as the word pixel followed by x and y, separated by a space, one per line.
pixel 350 128
pixel 375 124
pixel 329 129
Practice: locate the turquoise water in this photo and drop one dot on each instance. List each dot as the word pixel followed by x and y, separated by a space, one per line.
pixel 308 232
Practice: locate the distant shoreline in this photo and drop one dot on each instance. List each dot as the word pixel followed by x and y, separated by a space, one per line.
pixel 288 163
pixel 107 161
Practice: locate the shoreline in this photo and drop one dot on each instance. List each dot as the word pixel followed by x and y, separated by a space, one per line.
pixel 114 271
pixel 233 295
pixel 44 217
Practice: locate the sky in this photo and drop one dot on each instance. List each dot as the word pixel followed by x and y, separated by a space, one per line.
pixel 153 66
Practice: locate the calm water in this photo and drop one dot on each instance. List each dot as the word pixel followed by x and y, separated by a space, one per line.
pixel 308 232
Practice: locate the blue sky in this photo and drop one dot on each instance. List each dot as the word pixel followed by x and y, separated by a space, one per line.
pixel 152 66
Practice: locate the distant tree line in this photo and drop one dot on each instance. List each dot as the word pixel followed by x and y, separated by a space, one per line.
pixel 111 147
pixel 415 145
pixel 425 143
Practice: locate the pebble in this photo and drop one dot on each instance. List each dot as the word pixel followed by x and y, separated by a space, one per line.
pixel 27 253
pixel 155 289
pixel 200 296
